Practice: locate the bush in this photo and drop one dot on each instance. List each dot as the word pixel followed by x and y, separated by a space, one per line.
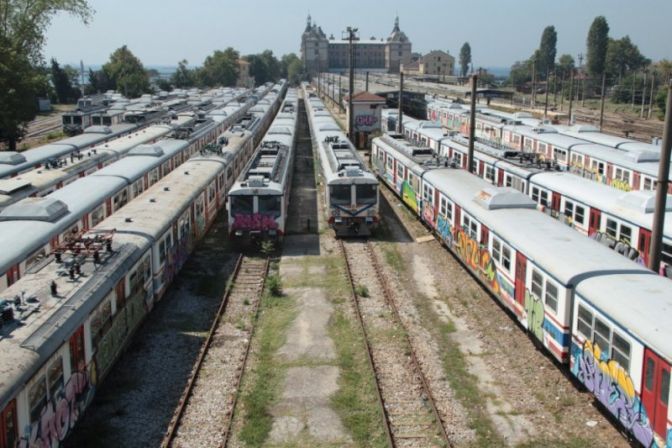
pixel 275 285
pixel 362 291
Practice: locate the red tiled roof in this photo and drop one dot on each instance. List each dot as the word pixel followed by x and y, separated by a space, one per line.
pixel 366 97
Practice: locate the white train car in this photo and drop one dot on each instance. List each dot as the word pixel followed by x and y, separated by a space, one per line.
pixel 259 200
pixel 351 189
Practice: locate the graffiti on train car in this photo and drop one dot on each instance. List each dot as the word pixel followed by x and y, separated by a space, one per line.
pixel 478 258
pixel 620 184
pixel 534 308
pixel 60 414
pixel 408 196
pixel 613 387
pixel 254 221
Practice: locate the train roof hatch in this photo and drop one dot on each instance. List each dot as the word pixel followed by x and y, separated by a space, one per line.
pixel 501 198
pixel 35 209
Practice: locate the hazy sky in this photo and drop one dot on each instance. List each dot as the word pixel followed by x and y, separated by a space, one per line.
pixel 162 32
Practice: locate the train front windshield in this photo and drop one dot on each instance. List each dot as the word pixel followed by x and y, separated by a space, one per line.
pixel 340 194
pixel 367 194
pixel 269 205
pixel 242 205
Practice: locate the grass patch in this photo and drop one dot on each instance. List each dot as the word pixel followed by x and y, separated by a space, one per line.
pixel 355 401
pixel 275 285
pixel 573 442
pixel 362 291
pixel 276 314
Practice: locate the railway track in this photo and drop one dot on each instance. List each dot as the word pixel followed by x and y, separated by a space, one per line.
pixel 412 418
pixel 205 411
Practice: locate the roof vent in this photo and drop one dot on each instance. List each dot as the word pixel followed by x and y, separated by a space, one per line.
pixel 35 209
pixel 166 188
pixel 493 198
pixel 146 150
pixel 11 158
pixel 186 173
pixel 129 220
pixel 644 201
pixel 152 200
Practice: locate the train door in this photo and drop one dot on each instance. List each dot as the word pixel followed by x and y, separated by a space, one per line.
pixel 521 270
pixel 636 179
pixel 594 222
pixel 13 275
pixel 481 167
pixel 500 177
pixel 485 235
pixel 555 202
pixel 8 426
pixel 644 244
pixel 77 356
pixel 610 173
pixel 656 390
pixel 458 217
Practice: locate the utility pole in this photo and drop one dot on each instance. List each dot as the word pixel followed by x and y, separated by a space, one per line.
pixel 546 99
pixel 366 89
pixel 400 114
pixel 562 92
pixel 641 111
pixel 604 94
pixel 661 187
pixel 571 95
pixel 352 36
pixel 634 81
pixel 534 83
pixel 472 123
pixel 340 94
pixel 555 87
pixel 653 87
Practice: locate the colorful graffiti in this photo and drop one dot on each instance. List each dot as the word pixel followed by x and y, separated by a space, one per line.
pixel 408 196
pixel 612 386
pixel 254 221
pixel 365 121
pixel 428 213
pixel 534 308
pixel 60 415
pixel 620 184
pixel 476 257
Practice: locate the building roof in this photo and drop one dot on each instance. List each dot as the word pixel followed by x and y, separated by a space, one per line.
pixel 366 97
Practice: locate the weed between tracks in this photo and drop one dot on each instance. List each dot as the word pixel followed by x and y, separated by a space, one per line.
pixel 275 315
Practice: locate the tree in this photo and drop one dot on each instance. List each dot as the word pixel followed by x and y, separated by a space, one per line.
pixel 22 28
pixel 183 76
pixel 62 82
pixel 99 81
pixel 565 65
pixel 597 43
pixel 547 51
pixel 220 68
pixel 264 67
pixel 127 73
pixel 663 69
pixel 624 57
pixel 295 71
pixel 521 73
pixel 465 59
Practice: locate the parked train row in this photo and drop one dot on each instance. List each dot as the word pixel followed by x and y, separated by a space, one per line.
pixel 619 162
pixel 351 189
pixel 621 220
pixel 67 323
pixel 258 202
pixel 604 316
pixel 33 228
pixel 15 163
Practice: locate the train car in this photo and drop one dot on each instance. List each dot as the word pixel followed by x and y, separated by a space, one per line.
pixel 619 220
pixel 351 189
pixel 259 200
pixel 61 337
pixel 592 134
pixel 559 286
pixel 76 121
pixel 82 204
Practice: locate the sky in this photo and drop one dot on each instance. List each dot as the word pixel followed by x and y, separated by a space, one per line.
pixel 163 32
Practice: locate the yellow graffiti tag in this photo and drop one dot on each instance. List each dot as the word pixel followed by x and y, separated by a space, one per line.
pixel 620 184
pixel 612 368
pixel 478 259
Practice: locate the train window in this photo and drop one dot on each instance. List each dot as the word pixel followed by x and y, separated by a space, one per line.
pixel 162 252
pixel 666 254
pixel 390 163
pixel 97 216
pixel 602 335
pixel 77 119
pixel 340 194
pixel 543 199
pixel 664 386
pixel 506 257
pixel 537 284
pixel 535 194
pixel 37 398
pixel 366 194
pixel 598 167
pixel 242 205
pixel 269 205
pixel 458 158
pixel 551 297
pixel 569 209
pixel 621 351
pixel 612 228
pixel 560 154
pixel 584 323
pixel 428 194
pixel 648 184
pixel 470 226
pixel 400 170
pixel 443 207
pixel 541 147
pixel 579 214
pixel 501 253
pixel 138 187
pixel 490 173
pixel 650 373
pixel 100 321
pixel 626 234
pixel 55 377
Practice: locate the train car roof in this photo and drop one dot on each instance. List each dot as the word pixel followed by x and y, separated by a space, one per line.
pixel 644 162
pixel 640 304
pixel 30 224
pixel 637 207
pixel 592 134
pixel 563 252
pixel 547 134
